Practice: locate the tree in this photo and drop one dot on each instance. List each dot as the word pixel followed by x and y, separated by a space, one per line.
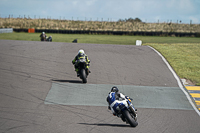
pixel 138 20
pixel 130 20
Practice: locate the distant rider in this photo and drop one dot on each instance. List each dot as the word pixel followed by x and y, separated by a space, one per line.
pixel 114 99
pixel 43 36
pixel 81 54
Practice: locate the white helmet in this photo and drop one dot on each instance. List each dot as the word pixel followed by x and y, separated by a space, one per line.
pixel 81 51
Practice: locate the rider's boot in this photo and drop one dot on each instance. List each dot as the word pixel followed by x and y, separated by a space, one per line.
pixel 88 71
pixel 123 119
pixel 77 72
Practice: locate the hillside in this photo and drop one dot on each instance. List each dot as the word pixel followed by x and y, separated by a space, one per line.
pixel 19 23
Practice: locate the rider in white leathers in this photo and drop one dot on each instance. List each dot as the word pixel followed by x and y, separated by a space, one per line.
pixel 114 99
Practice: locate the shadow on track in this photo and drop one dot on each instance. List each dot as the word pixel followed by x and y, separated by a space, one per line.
pixel 101 124
pixel 68 81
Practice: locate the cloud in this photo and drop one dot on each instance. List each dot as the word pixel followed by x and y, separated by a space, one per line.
pixel 181 6
pixel 90 2
pixel 74 3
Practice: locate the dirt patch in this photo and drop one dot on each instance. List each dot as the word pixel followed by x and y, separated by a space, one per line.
pixel 187 82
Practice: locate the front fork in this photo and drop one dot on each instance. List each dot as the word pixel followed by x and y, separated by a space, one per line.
pixel 87 71
pixel 133 110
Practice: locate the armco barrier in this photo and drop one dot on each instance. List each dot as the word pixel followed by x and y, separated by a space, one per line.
pixel 135 33
pixel 6 30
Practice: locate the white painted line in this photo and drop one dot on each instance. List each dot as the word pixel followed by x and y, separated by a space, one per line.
pixel 178 81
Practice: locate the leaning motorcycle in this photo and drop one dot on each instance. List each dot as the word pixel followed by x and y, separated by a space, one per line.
pixel 83 71
pixel 49 39
pixel 128 113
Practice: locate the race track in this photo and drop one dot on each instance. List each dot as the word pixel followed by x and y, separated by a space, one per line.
pixel 40 93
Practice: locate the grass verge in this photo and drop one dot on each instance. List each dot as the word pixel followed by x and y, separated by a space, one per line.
pixel 183 57
pixel 99 39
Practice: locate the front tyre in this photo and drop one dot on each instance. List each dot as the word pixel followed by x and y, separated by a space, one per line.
pixel 83 76
pixel 129 118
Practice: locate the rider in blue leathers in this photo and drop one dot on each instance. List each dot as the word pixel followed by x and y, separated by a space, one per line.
pixel 115 99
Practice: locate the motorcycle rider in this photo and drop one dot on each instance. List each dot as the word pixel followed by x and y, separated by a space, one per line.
pixel 43 36
pixel 81 54
pixel 115 99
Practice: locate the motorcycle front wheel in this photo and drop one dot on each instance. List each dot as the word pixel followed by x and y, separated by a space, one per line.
pixel 83 76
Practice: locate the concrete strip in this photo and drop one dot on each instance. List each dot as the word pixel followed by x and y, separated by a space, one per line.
pixel 95 95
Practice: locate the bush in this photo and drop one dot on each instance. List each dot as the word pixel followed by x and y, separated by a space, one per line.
pixel 130 20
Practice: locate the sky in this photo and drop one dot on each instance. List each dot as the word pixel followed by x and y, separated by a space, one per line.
pixel 185 11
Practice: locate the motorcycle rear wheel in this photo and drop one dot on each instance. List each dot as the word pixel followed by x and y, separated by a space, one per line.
pixel 129 118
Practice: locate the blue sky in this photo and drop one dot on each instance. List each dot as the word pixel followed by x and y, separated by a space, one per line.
pixel 112 10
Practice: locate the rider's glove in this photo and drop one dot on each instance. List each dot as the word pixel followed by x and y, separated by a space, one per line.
pixel 127 97
pixel 73 62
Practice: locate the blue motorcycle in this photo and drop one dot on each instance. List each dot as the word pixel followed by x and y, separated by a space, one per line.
pixel 127 112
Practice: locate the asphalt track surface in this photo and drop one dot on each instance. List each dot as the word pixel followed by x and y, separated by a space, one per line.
pixel 36 76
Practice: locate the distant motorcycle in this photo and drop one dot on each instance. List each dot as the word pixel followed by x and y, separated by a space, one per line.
pixel 45 38
pixel 49 39
pixel 83 71
pixel 127 112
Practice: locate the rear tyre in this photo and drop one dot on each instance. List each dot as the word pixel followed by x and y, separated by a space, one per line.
pixel 129 118
pixel 83 76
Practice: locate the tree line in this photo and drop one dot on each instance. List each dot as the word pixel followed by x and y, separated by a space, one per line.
pixel 130 20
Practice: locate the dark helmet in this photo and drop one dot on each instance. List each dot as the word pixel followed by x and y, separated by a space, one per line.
pixel 114 89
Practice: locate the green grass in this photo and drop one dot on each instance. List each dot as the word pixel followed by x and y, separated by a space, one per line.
pixel 181 52
pixel 183 57
pixel 99 39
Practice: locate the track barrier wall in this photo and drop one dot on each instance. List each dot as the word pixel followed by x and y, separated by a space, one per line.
pixel 133 33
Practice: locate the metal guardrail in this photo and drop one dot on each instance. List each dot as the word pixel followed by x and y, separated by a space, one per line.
pixel 6 30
